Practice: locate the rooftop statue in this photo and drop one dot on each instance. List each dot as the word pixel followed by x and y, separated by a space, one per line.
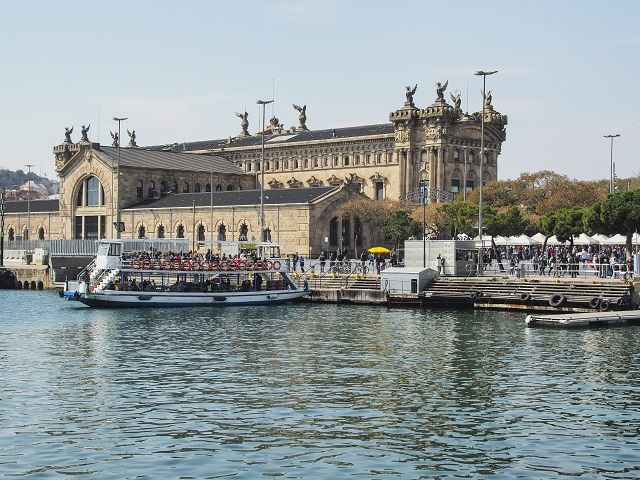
pixel 132 138
pixel 487 99
pixel 410 93
pixel 440 89
pixel 455 98
pixel 85 133
pixel 67 134
pixel 302 118
pixel 116 139
pixel 245 122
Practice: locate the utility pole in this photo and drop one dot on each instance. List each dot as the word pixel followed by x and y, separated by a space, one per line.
pixel 264 104
pixel 612 181
pixel 117 200
pixel 28 165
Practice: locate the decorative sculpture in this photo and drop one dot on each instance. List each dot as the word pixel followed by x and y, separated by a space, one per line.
pixel 455 98
pixel 303 116
pixel 440 89
pixel 116 138
pixel 67 134
pixel 487 99
pixel 132 138
pixel 245 123
pixel 85 133
pixel 410 93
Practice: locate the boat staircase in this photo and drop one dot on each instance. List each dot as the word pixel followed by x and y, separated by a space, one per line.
pixel 567 294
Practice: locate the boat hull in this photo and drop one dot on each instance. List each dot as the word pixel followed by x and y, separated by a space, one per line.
pixel 111 299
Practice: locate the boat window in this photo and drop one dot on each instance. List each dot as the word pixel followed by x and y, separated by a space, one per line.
pixel 103 249
pixel 115 249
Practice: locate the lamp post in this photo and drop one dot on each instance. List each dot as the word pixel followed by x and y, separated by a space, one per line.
pixel 28 165
pixel 612 182
pixel 484 104
pixel 117 200
pixel 264 104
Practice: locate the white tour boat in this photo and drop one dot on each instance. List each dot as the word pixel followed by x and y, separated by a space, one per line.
pixel 117 278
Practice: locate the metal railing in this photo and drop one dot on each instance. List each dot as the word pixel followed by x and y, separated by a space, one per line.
pixel 569 270
pixel 55 247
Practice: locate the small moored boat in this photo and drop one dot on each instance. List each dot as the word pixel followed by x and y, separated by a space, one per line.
pixel 117 278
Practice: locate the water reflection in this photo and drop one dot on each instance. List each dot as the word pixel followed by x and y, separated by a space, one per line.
pixel 311 392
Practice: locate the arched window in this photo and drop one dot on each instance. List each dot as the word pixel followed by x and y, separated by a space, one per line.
pixel 25 233
pixel 196 188
pixel 93 192
pixel 222 233
pixel 160 231
pixel 185 187
pixel 180 231
pixel 266 235
pixel 333 232
pixel 152 188
pixel 229 188
pixel 80 199
pixel 346 231
pixel 207 187
pixel 140 190
pixel 11 234
pixel 163 187
pixel 277 165
pixel 142 232
pixel 218 188
pixel 296 163
pixel 201 233
pixel 346 160
pixel 41 233
pixel 456 155
pixel 174 187
pixel 243 232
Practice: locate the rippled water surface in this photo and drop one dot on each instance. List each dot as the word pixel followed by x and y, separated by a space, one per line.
pixel 311 392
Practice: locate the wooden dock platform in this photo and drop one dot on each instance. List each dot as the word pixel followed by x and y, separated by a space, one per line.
pixel 582 320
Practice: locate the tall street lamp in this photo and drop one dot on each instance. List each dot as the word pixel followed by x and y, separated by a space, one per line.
pixel 28 165
pixel 484 104
pixel 264 104
pixel 612 182
pixel 118 211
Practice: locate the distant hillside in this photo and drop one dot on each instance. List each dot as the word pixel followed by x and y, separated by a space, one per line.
pixel 10 180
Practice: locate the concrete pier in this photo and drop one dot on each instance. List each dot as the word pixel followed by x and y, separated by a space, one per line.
pixel 582 320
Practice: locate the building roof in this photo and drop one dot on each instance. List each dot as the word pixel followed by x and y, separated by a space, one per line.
pixel 154 159
pixel 236 198
pixel 283 138
pixel 36 206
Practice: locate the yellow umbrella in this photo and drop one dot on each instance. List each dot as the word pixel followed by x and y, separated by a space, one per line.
pixel 379 250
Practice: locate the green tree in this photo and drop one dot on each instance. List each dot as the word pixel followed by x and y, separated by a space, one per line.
pixel 458 217
pixel 401 226
pixel 619 213
pixel 564 223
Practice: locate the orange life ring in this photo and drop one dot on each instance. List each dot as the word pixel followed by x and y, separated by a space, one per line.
pixel 224 266
pixel 135 264
pixel 146 264
pixel 259 265
pixel 213 266
pixel 268 265
pixel 186 265
pixel 176 264
pixel 242 265
pixel 165 265
pixel 204 266
pixel 277 265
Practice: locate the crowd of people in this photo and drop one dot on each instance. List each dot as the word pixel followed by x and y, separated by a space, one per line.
pixel 559 261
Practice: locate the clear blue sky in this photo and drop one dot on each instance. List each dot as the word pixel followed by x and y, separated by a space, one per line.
pixel 568 71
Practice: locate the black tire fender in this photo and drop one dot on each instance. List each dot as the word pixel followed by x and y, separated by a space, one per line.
pixel 594 302
pixel 525 297
pixel 604 305
pixel 557 299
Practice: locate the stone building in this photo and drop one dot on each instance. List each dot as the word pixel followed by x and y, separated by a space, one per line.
pixel 207 190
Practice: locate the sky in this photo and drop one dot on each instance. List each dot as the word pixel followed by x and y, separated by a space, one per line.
pixel 568 71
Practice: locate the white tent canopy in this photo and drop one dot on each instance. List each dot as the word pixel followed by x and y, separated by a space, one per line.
pixel 539 237
pixel 635 240
pixel 500 240
pixel 554 242
pixel 617 239
pixel 600 238
pixel 584 239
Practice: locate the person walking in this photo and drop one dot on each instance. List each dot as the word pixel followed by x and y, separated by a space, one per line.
pixel 323 260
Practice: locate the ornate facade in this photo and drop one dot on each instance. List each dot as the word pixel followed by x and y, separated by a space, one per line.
pixel 437 146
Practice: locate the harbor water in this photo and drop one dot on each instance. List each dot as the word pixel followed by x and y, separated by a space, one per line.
pixel 310 391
